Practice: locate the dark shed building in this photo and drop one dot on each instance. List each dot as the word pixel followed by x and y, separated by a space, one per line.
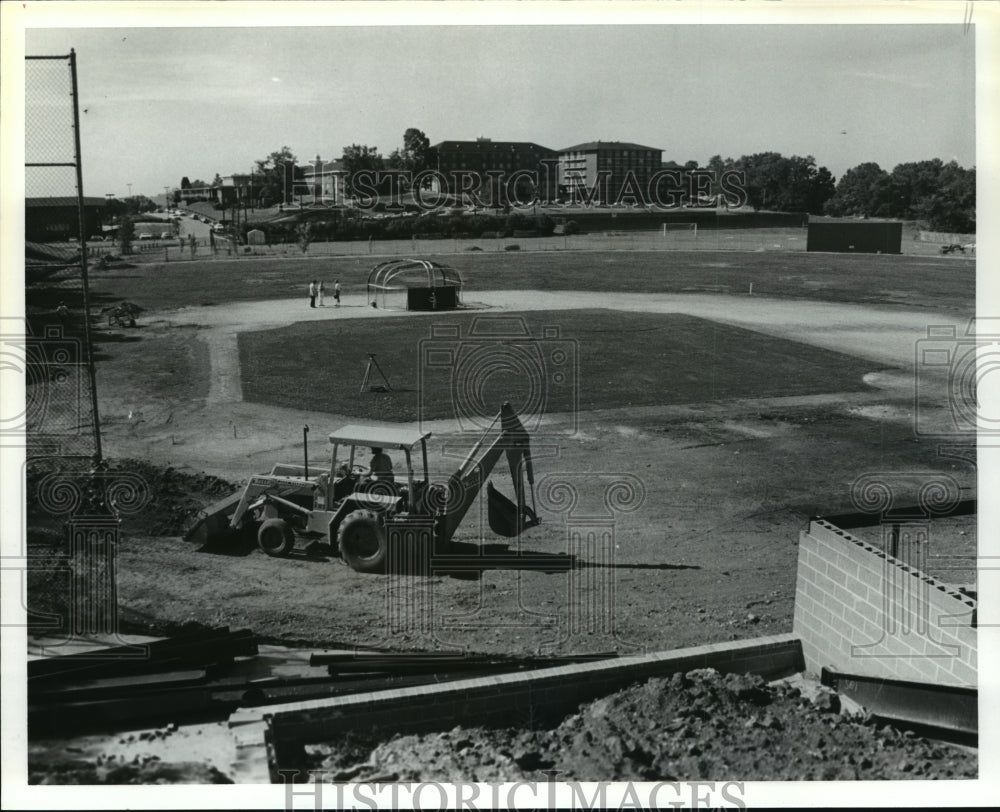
pixel 57 219
pixel 856 237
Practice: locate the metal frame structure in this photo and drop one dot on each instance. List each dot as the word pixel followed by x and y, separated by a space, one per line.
pixel 389 277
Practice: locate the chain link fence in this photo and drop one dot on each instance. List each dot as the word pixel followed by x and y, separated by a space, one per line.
pixel 60 415
pixel 69 584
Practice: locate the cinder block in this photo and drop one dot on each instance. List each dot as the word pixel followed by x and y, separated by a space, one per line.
pixel 869 611
pixel 837 575
pixel 833 606
pixel 808 618
pixel 824 583
pixel 810 589
pixel 962 669
pixel 853 620
pixel 846 594
pixel 871 572
pixel 848 564
pixel 806 572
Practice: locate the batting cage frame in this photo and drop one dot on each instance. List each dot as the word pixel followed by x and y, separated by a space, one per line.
pixel 414 284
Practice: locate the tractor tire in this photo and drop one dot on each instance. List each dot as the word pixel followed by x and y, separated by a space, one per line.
pixel 275 537
pixel 362 542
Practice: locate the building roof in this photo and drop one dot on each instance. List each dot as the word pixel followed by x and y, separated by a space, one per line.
pixel 309 167
pixel 44 202
pixel 488 144
pixel 594 146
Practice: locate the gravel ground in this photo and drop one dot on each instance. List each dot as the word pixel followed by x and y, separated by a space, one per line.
pixel 696 726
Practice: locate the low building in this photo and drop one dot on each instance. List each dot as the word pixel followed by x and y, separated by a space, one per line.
pixel 602 169
pixel 57 219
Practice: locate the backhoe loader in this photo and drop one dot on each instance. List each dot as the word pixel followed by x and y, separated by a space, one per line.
pixel 358 513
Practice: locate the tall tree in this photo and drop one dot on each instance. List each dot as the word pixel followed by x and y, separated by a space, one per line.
pixel 857 191
pixel 269 180
pixel 358 157
pixel 778 183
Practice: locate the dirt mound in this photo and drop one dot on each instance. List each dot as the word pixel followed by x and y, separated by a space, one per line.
pixel 141 770
pixel 695 726
pixel 166 500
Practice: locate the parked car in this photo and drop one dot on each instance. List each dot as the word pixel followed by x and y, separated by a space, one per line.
pixel 145 236
pixel 165 235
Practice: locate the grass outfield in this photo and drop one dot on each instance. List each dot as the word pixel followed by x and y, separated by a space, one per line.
pixel 939 283
pixel 605 358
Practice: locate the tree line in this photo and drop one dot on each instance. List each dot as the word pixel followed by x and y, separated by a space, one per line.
pixel 940 195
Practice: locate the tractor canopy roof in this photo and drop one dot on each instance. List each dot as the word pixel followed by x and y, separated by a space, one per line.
pixel 376 437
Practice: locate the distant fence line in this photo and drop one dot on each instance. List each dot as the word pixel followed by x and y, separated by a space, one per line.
pixel 944 237
pixel 740 239
pixel 793 239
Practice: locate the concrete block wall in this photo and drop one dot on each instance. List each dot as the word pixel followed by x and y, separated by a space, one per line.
pixel 861 611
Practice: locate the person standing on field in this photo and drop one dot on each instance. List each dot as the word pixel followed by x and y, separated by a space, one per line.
pixel 321 290
pixel 336 293
pixel 312 293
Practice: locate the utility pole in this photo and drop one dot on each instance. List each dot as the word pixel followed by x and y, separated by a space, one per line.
pixel 129 189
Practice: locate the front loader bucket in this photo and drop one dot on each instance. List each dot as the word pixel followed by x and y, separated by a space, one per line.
pixel 212 524
pixel 503 515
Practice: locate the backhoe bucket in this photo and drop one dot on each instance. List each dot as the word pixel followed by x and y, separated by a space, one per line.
pixel 212 524
pixel 503 514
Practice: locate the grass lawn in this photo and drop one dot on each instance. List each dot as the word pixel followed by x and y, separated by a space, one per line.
pixel 590 359
pixel 939 283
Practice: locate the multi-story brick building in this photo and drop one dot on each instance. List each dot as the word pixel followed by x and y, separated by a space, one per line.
pixel 580 169
pixel 485 155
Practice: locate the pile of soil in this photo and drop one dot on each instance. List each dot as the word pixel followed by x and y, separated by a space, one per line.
pixel 171 499
pixel 176 498
pixel 695 726
pixel 148 770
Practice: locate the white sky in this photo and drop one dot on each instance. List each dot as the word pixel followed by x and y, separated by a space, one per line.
pixel 163 103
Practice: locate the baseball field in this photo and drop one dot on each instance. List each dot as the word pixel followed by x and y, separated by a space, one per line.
pixel 734 415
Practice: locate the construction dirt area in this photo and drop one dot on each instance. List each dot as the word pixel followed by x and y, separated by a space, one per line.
pixel 680 452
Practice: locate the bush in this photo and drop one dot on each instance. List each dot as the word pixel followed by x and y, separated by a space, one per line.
pixel 512 248
pixel 572 227
pixel 544 225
